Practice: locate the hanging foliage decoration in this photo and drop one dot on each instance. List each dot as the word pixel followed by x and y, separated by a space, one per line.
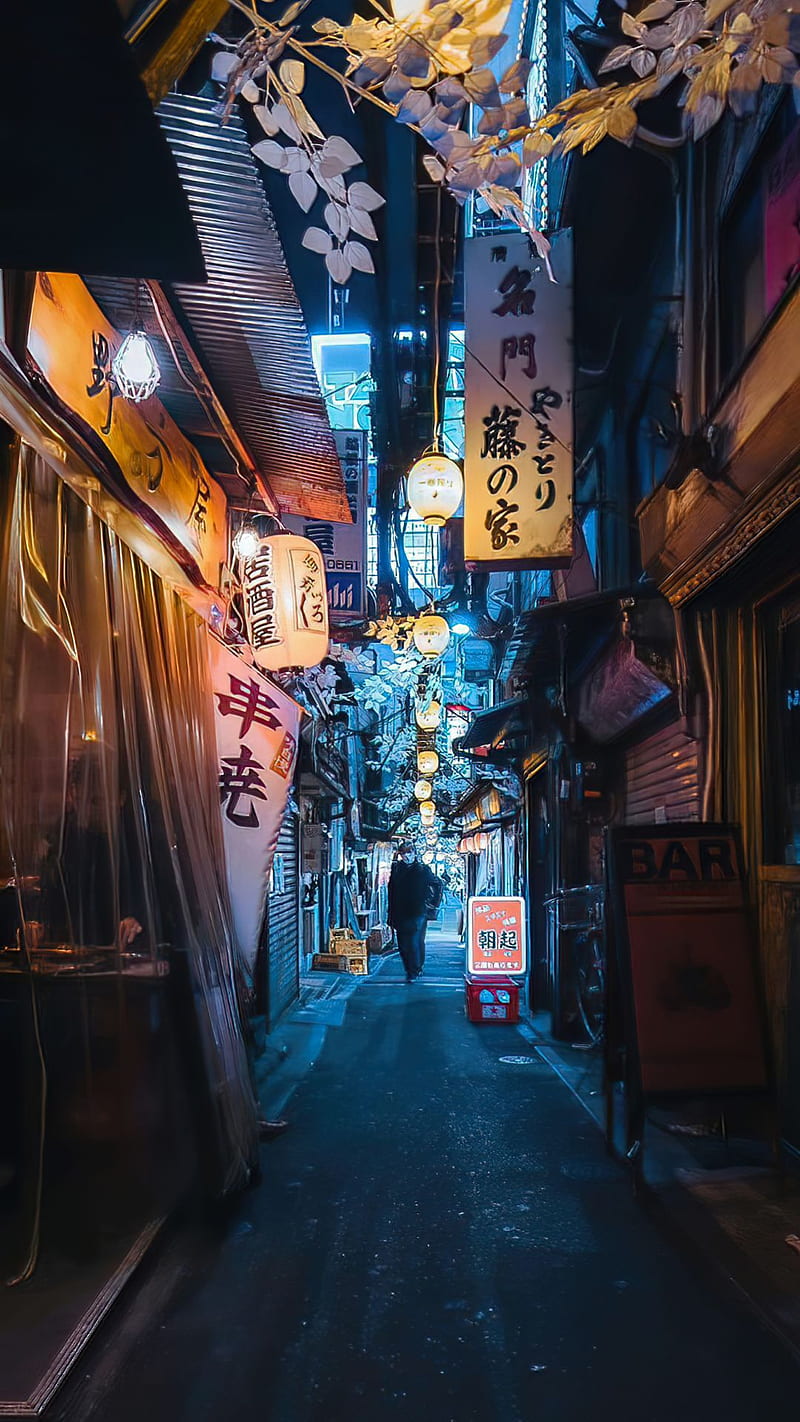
pixel 425 68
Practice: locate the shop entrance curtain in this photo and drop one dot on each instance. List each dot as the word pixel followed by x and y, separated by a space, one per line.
pixel 111 839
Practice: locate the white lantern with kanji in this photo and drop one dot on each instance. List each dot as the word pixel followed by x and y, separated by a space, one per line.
pixel 286 602
pixel 423 790
pixel 431 635
pixel 427 812
pixel 429 715
pixel 435 486
pixel 427 762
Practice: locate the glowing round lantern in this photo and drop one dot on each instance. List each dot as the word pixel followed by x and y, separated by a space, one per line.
pixel 431 635
pixel 428 856
pixel 423 789
pixel 435 486
pixel 428 717
pixel 427 812
pixel 286 602
pixel 481 841
pixel 427 762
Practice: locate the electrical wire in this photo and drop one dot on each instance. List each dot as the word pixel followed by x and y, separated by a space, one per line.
pixel 437 282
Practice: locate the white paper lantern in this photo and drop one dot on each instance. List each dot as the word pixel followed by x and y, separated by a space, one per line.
pixel 431 635
pixel 423 790
pixel 435 486
pixel 428 856
pixel 429 716
pixel 481 841
pixel 427 762
pixel 427 812
pixel 286 602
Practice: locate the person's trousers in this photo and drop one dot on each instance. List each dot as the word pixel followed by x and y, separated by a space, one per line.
pixel 411 942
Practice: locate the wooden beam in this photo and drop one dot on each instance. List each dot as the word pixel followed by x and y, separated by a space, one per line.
pixel 179 48
pixel 200 383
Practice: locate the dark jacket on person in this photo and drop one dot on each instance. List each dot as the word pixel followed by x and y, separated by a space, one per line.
pixel 413 888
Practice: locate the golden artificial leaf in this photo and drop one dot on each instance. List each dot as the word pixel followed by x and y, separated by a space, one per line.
pixel 293 75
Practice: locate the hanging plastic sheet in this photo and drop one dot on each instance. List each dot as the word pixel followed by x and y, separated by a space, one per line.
pixel 111 842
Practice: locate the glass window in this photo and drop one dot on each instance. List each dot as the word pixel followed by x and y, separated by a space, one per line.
pixel 759 259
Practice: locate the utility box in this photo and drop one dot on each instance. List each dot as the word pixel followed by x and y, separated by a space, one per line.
pixel 491 999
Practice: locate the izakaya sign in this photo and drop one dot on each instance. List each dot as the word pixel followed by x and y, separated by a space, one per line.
pixel 496 936
pixel 257 728
pixel 73 346
pixel 518 463
pixel 344 545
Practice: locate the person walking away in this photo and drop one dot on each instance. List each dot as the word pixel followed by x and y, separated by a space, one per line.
pixel 414 892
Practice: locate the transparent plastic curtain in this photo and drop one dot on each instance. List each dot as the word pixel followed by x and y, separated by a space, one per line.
pixel 111 831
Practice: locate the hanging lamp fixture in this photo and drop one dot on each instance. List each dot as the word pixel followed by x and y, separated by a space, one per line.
pixel 135 367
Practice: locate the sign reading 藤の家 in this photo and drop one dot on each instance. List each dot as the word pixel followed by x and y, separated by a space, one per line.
pixel 257 728
pixel 344 545
pixel 518 460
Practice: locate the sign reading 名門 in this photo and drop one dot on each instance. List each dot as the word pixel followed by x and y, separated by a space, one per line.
pixel 518 463
pixel 344 545
pixel 496 939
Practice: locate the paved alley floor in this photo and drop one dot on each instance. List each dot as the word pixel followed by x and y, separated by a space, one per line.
pixel 439 1237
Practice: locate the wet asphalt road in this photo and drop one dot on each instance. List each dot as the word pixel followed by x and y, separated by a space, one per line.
pixel 440 1237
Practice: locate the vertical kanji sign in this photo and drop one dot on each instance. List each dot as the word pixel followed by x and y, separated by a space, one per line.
pixel 257 727
pixel 496 938
pixel 518 462
pixel 344 545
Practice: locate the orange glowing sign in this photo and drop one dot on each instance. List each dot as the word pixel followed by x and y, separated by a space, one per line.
pixel 496 942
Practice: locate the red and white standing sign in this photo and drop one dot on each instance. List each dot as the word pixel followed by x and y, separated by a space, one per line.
pixel 496 938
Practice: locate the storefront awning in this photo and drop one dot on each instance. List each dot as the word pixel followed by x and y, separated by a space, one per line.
pixel 246 320
pixel 490 728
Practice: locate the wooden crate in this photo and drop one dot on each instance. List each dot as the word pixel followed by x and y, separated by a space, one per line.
pixel 331 962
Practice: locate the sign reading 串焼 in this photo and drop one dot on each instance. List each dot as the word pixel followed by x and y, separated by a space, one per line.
pixel 73 346
pixel 344 545
pixel 518 462
pixel 496 938
pixel 257 728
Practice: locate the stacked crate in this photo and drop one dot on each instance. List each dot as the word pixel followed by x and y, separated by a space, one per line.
pixel 345 953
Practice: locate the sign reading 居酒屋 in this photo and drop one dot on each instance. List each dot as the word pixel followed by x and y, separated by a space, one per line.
pixel 496 935
pixel 518 462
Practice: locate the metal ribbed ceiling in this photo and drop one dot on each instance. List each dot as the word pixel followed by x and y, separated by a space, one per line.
pixel 246 322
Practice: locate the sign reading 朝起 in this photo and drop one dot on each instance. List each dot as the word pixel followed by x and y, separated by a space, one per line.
pixel 496 935
pixel 518 461
pixel 74 345
pixel 257 728
pixel 344 545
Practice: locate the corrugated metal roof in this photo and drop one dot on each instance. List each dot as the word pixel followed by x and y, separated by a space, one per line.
pixel 247 321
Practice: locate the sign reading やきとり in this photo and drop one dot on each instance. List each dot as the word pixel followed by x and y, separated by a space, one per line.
pixel 518 461
pixel 257 728
pixel 496 938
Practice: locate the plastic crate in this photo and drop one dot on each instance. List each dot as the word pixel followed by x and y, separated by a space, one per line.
pixel 494 999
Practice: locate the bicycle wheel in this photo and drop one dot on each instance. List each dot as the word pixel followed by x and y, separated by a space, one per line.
pixel 591 995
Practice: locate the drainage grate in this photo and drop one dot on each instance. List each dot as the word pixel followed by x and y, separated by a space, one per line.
pixel 519 1061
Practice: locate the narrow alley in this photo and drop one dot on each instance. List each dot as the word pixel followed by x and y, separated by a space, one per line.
pixel 439 1235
